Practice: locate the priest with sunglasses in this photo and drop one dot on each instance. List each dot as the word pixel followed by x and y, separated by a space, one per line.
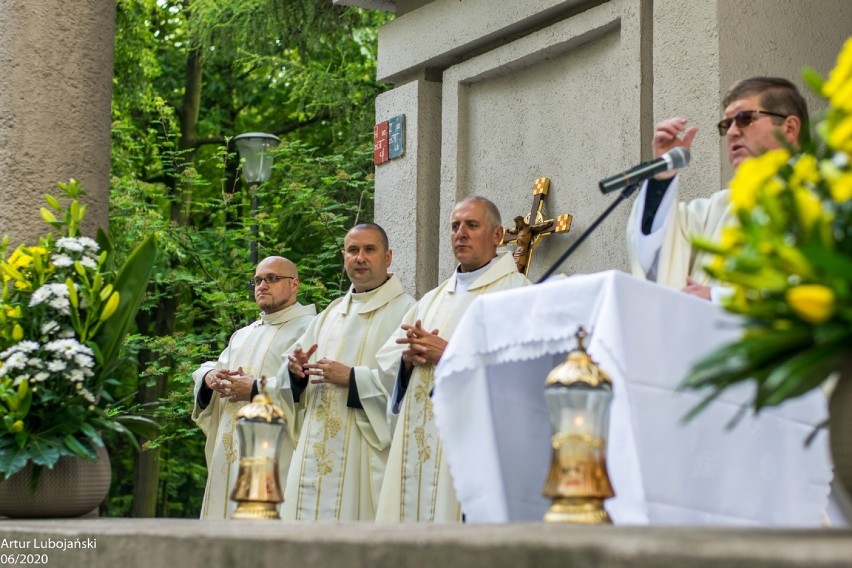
pixel 761 114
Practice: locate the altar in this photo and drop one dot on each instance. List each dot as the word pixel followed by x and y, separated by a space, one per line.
pixel 490 411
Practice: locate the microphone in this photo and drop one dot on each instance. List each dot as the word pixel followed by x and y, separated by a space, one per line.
pixel 672 160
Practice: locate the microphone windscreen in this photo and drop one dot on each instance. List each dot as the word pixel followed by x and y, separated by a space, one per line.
pixel 680 157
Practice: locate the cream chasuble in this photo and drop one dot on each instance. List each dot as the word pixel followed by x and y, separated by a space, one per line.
pixel 417 485
pixel 337 469
pixel 677 257
pixel 258 349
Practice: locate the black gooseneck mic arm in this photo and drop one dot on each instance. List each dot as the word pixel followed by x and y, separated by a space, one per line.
pixel 625 193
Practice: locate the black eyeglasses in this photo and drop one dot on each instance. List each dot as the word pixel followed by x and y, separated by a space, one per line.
pixel 743 119
pixel 271 279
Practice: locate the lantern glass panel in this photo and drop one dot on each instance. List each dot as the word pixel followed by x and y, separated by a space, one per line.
pixel 579 409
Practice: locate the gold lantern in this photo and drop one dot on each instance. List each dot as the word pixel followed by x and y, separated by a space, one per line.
pixel 261 431
pixel 578 396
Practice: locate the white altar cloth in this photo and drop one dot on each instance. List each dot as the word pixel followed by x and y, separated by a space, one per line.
pixel 491 414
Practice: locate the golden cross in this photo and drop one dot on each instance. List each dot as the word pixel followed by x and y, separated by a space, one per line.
pixel 528 231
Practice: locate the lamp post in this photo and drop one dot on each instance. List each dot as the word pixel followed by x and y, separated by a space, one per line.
pixel 578 396
pixel 257 167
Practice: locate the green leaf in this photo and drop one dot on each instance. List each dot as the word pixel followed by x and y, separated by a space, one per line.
pixel 105 244
pixel 78 448
pixel 801 373
pixel 739 360
pixel 13 460
pixel 140 425
pixel 831 263
pixel 130 283
pixel 813 79
pixel 91 433
pixel 43 453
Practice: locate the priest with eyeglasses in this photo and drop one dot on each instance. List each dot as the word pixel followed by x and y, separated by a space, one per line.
pixel 760 114
pixel 224 386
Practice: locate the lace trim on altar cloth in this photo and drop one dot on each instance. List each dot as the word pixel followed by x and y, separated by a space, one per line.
pixel 540 327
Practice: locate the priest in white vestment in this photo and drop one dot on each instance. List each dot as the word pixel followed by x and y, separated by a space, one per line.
pixel 761 113
pixel 418 486
pixel 333 396
pixel 223 387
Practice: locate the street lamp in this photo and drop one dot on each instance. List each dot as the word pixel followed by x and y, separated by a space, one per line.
pixel 257 167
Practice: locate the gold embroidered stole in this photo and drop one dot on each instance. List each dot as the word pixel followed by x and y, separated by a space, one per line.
pixel 424 481
pixel 328 423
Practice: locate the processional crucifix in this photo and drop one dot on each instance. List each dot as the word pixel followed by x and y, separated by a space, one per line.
pixel 528 231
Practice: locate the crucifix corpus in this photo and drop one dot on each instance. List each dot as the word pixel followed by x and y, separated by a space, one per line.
pixel 528 231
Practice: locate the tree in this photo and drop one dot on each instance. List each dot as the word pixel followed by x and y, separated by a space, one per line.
pixel 190 75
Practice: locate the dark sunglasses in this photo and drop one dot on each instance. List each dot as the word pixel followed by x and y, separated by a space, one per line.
pixel 743 119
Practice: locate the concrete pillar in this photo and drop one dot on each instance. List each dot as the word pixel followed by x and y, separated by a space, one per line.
pixel 56 60
pixel 408 188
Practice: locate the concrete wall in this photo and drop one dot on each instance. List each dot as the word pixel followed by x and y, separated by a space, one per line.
pixel 570 90
pixel 147 543
pixel 407 197
pixel 546 105
pixel 781 37
pixel 56 60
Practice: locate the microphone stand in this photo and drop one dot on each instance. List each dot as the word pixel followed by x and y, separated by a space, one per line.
pixel 625 193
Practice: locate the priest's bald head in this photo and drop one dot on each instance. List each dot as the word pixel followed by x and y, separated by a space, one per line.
pixel 476 232
pixel 276 284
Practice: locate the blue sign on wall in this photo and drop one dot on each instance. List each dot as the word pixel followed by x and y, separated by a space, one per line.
pixel 396 136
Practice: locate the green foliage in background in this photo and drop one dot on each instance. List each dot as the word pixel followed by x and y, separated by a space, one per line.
pixel 189 76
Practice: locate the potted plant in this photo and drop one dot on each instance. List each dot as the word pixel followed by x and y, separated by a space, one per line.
pixel 65 311
pixel 788 261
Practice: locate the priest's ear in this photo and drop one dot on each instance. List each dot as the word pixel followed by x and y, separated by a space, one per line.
pixel 498 235
pixel 790 129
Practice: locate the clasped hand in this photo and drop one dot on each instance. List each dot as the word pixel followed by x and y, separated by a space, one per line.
pixel 324 371
pixel 424 347
pixel 233 385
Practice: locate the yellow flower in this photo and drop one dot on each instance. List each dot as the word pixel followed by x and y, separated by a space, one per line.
pixel 47 216
pixel 13 312
pixel 18 426
pixel 814 303
pixel 842 99
pixel 841 188
pixel 793 260
pixel 840 137
pixel 752 176
pixel 110 306
pixel 730 236
pixel 766 247
pixel 836 88
pixel 808 206
pixel 21 261
pixel 17 332
pixel 805 171
pixel 717 263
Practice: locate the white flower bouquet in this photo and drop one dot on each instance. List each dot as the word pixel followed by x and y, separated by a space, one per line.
pixel 64 313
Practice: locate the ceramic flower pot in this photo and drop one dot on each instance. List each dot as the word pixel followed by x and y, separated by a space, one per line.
pixel 840 431
pixel 74 487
